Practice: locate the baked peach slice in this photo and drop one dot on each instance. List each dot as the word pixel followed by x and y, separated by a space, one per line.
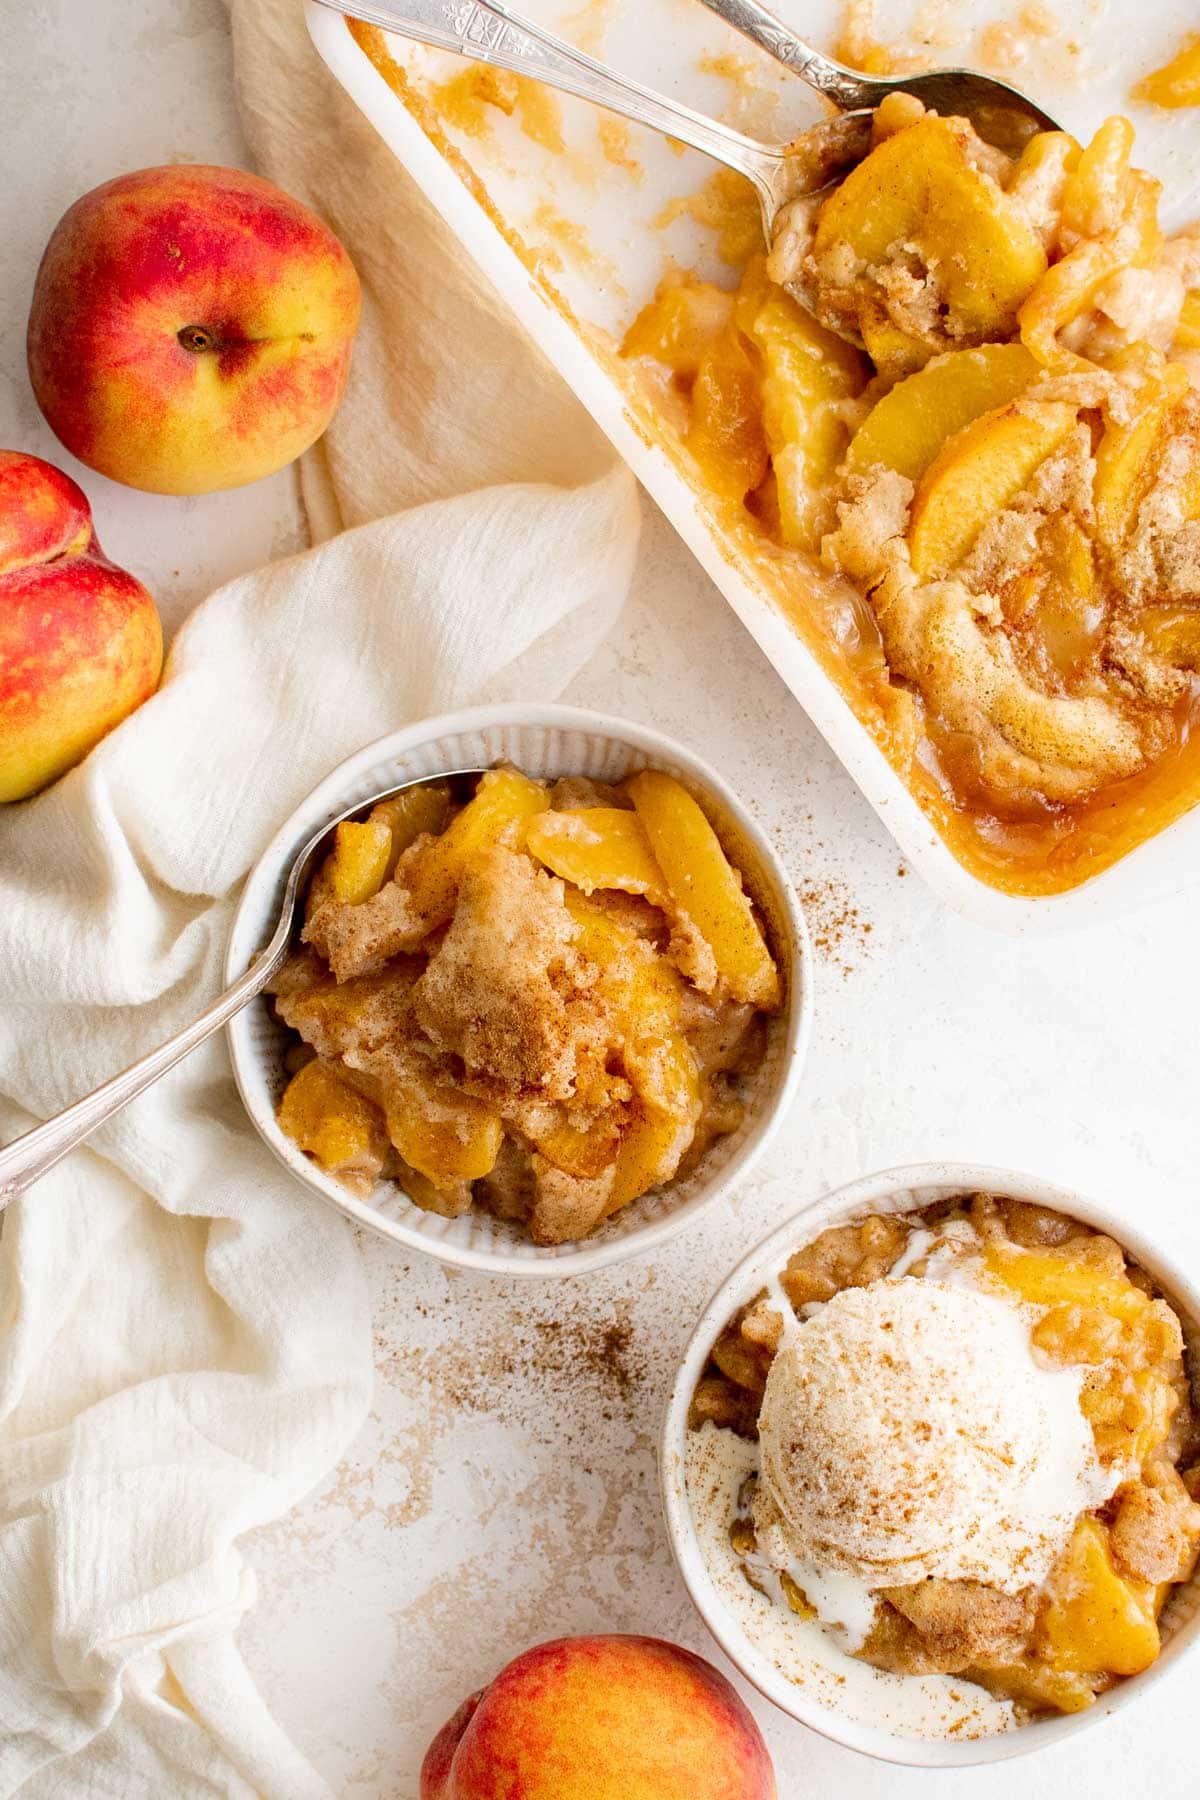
pixel 677 326
pixel 664 1120
pixel 358 864
pixel 726 432
pixel 408 815
pixel 333 1123
pixel 1065 612
pixel 808 374
pixel 976 475
pixel 503 803
pixel 1041 174
pixel 1095 1619
pixel 1128 452
pixel 583 1151
pixel 1172 633
pixel 1043 1279
pixel 597 847
pixel 1070 286
pixel 1188 335
pixel 1031 1684
pixel 704 886
pixel 920 189
pixel 365 853
pixel 910 424
pixel 446 1135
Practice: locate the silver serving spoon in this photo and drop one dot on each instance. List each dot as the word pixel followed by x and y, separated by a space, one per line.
pixel 1001 114
pixel 488 32
pixel 28 1158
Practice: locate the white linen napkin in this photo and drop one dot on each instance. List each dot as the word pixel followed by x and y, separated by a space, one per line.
pixel 184 1343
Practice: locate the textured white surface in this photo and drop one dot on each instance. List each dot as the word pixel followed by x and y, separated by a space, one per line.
pixel 505 1487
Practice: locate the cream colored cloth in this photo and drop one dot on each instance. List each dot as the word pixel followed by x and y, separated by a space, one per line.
pixel 184 1340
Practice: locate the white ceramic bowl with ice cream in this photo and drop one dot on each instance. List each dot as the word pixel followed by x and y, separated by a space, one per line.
pixel 923 1430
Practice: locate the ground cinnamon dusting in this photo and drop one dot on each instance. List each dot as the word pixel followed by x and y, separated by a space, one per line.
pixel 840 930
pixel 585 1361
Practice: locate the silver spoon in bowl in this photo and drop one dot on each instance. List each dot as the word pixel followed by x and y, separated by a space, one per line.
pixel 27 1158
pixel 487 31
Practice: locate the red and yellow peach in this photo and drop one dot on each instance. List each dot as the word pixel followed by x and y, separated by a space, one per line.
pixel 191 328
pixel 601 1718
pixel 80 641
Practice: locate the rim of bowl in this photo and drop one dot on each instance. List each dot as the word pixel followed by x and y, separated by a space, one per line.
pixel 255 917
pixel 891 1190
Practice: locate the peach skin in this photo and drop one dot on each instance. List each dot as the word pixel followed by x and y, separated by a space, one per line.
pixel 601 1718
pixel 191 328
pixel 80 641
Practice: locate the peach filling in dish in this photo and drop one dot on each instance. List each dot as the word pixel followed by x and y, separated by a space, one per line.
pixel 543 999
pixel 971 1446
pixel 954 412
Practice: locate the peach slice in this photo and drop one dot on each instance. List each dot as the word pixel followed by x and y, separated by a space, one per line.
pixel 678 325
pixel 726 432
pixel 1188 335
pixel 416 810
pixel 597 847
pixel 1096 190
pixel 978 473
pixel 808 373
pixel 1065 613
pixel 359 861
pixel 502 804
pixel 331 1121
pixel 919 188
pixel 910 424
pixel 446 1135
pixel 1127 453
pixel 1041 173
pixel 664 1123
pixel 1173 634
pixel 1043 1279
pixel 704 886
pixel 1033 1685
pixel 1071 285
pixel 1095 1621
pixel 584 1152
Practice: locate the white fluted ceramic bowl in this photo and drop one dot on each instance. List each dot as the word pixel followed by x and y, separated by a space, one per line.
pixel 544 741
pixel 899 1191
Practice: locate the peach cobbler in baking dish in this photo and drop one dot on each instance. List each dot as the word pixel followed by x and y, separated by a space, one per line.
pixel 545 1000
pixel 957 1443
pixel 954 415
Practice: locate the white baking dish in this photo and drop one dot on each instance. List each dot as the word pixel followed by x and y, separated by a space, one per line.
pixel 665 46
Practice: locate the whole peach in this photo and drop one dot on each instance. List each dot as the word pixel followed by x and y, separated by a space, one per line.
pixel 191 328
pixel 80 640
pixel 601 1718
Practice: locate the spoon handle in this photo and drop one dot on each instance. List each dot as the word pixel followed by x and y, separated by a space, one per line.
pixel 29 1157
pixel 841 85
pixel 489 32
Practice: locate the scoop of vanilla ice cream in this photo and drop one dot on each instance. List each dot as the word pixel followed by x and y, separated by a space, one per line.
pixel 907 1431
